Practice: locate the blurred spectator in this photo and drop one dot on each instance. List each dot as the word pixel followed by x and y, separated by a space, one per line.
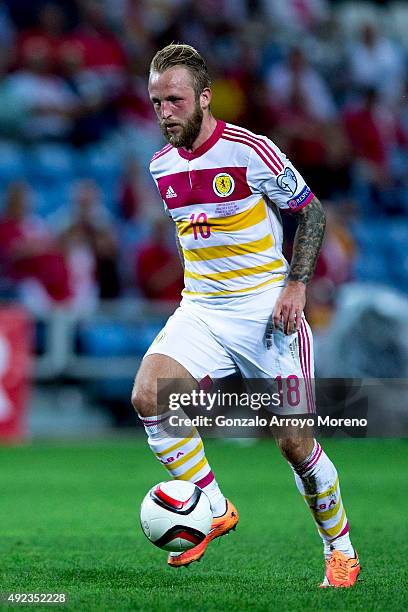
pixel 137 35
pixel 48 34
pixel 260 116
pixel 102 50
pixel 328 53
pixel 96 116
pixel 295 78
pixel 205 23
pixel 14 107
pixel 131 191
pixel 334 266
pixel 375 132
pixel 159 272
pixel 135 104
pixel 51 104
pixel 297 15
pixel 25 14
pixel 313 139
pixel 90 245
pixel 319 149
pixel 29 253
pixel 7 30
pixel 377 62
pixel 138 203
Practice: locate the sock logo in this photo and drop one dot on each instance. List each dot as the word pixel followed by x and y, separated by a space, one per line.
pixel 322 507
pixel 325 506
pixel 171 459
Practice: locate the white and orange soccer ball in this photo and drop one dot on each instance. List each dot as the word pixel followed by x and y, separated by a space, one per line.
pixel 176 515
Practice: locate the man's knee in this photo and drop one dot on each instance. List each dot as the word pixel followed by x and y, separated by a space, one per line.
pixel 149 398
pixel 144 399
pixel 295 449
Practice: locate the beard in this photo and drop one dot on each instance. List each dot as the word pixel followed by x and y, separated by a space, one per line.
pixel 190 129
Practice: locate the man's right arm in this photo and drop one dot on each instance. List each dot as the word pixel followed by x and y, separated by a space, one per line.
pixel 180 250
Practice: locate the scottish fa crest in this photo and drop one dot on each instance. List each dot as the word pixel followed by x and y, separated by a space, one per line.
pixel 223 184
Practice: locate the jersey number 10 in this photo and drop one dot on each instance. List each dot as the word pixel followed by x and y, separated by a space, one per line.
pixel 200 225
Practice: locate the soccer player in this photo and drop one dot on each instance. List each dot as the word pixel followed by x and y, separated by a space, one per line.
pixel 242 306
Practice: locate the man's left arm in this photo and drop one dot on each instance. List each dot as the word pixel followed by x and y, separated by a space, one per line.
pixel 311 222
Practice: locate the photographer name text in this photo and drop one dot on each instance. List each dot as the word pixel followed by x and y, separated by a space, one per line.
pixel 256 421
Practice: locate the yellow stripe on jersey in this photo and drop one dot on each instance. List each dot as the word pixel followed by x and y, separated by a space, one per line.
pixel 274 265
pixel 274 279
pixel 230 250
pixel 233 223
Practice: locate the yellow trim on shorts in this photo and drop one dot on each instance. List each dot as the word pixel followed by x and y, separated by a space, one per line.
pixel 228 250
pixel 190 455
pixel 232 223
pixel 196 468
pixel 234 273
pixel 275 279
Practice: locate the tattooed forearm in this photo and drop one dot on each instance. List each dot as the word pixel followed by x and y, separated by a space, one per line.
pixel 180 250
pixel 308 240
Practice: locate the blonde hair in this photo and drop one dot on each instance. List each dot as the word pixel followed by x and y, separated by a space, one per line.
pixel 178 54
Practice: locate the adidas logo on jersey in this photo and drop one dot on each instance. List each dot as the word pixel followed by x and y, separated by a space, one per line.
pixel 170 193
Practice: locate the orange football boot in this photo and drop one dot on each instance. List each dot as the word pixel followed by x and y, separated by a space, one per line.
pixel 341 571
pixel 220 526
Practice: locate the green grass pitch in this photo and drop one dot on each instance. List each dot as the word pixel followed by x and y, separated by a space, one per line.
pixel 69 523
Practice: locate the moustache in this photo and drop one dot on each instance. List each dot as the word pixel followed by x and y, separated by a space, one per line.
pixel 169 125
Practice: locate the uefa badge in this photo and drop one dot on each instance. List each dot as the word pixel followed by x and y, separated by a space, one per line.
pixel 287 181
pixel 223 184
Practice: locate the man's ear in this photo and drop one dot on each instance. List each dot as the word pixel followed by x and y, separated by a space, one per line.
pixel 205 98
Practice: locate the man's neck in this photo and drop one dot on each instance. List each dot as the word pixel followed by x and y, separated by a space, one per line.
pixel 207 127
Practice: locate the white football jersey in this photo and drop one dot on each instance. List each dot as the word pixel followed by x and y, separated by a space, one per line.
pixel 225 198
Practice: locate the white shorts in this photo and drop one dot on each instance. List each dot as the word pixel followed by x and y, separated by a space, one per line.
pixel 223 340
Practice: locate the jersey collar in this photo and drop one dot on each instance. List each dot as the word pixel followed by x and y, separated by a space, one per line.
pixel 206 146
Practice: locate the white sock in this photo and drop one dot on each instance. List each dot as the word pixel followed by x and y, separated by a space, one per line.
pixel 184 457
pixel 317 480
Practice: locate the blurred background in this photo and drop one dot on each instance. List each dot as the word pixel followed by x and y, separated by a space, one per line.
pixel 88 266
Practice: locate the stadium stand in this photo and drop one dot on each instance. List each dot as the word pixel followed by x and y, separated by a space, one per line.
pixel 73 83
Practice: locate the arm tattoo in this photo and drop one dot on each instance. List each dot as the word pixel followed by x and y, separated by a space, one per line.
pixel 308 240
pixel 180 250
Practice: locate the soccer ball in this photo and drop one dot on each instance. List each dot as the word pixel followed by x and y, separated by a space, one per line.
pixel 176 515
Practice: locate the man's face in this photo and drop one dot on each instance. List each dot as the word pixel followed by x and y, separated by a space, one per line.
pixel 179 112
